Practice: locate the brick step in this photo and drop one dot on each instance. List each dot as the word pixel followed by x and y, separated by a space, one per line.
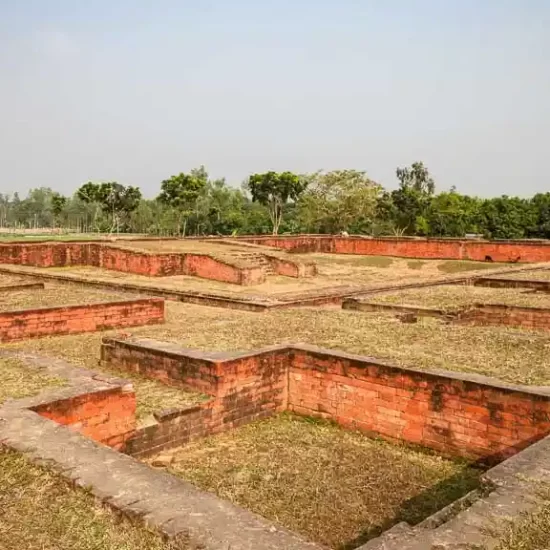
pixel 258 259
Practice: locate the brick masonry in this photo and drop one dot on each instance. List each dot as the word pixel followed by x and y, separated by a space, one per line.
pixel 100 407
pixel 22 286
pixel 40 322
pixel 118 258
pixel 470 416
pixel 537 318
pixel 412 247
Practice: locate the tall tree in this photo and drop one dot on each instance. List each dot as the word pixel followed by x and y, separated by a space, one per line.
pixel 337 201
pixel 116 201
pixel 274 190
pixel 181 192
pixel 413 197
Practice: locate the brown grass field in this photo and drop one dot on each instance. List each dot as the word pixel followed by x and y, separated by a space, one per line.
pixel 459 296
pixel 56 294
pixel 334 486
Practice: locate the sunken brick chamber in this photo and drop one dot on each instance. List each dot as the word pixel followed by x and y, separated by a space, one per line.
pixel 468 416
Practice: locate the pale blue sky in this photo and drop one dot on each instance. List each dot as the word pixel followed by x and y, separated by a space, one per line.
pixel 135 91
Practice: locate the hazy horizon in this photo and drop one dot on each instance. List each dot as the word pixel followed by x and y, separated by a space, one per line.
pixel 135 92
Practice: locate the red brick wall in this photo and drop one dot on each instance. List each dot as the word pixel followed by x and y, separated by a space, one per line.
pixel 452 249
pixel 453 414
pixel 458 415
pixel 497 314
pixel 128 261
pixel 35 323
pixel 107 416
pixel 243 389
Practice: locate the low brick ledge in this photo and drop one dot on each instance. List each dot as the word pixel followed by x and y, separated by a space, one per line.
pixel 46 321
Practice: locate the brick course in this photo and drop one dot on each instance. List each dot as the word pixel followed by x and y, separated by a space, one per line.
pixel 412 247
pixel 469 416
pixel 49 321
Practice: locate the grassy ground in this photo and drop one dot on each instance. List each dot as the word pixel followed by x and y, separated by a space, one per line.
pixel 8 280
pixel 19 380
pixel 460 266
pixel 528 532
pixel 56 294
pixel 42 512
pixel 457 296
pixel 334 486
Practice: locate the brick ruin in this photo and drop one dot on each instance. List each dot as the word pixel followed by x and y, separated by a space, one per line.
pixel 500 425
pixel 250 270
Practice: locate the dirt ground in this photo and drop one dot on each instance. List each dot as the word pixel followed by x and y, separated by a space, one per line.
pixel 458 296
pixel 334 486
pixel 57 294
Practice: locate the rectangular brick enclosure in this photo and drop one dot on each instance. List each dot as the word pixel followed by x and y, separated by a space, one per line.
pixel 51 321
pixel 470 416
pixel 412 247
pixel 229 268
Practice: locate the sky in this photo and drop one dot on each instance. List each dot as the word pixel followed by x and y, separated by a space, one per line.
pixel 134 91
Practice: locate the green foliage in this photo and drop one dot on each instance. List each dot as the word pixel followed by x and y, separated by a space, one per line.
pixel 181 193
pixel 331 202
pixel 342 200
pixel 115 200
pixel 274 191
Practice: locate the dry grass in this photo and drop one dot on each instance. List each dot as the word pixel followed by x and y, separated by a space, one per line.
pixel 20 380
pixel 536 275
pixel 459 266
pixel 334 486
pixel 56 294
pixel 528 532
pixel 457 296
pixel 39 511
pixel 8 280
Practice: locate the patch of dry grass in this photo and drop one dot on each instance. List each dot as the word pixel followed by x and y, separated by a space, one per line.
pixel 459 266
pixel 334 486
pixel 40 511
pixel 57 294
pixel 8 280
pixel 19 380
pixel 458 296
pixel 536 275
pixel 528 532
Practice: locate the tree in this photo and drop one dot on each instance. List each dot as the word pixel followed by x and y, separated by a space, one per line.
pixel 274 190
pixel 413 198
pixel 181 193
pixel 451 214
pixel 58 203
pixel 116 201
pixel 337 201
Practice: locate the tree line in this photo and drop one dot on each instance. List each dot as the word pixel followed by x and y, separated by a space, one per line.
pixel 323 202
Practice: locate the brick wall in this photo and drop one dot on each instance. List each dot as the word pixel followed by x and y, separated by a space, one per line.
pixel 501 282
pixel 243 389
pixel 458 415
pixel 106 416
pixel 450 249
pixel 498 314
pixel 128 261
pixel 35 323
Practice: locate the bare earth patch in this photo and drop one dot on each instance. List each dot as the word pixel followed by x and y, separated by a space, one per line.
pixel 334 486
pixel 40 511
pixel 457 296
pixel 57 294
pixel 19 380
